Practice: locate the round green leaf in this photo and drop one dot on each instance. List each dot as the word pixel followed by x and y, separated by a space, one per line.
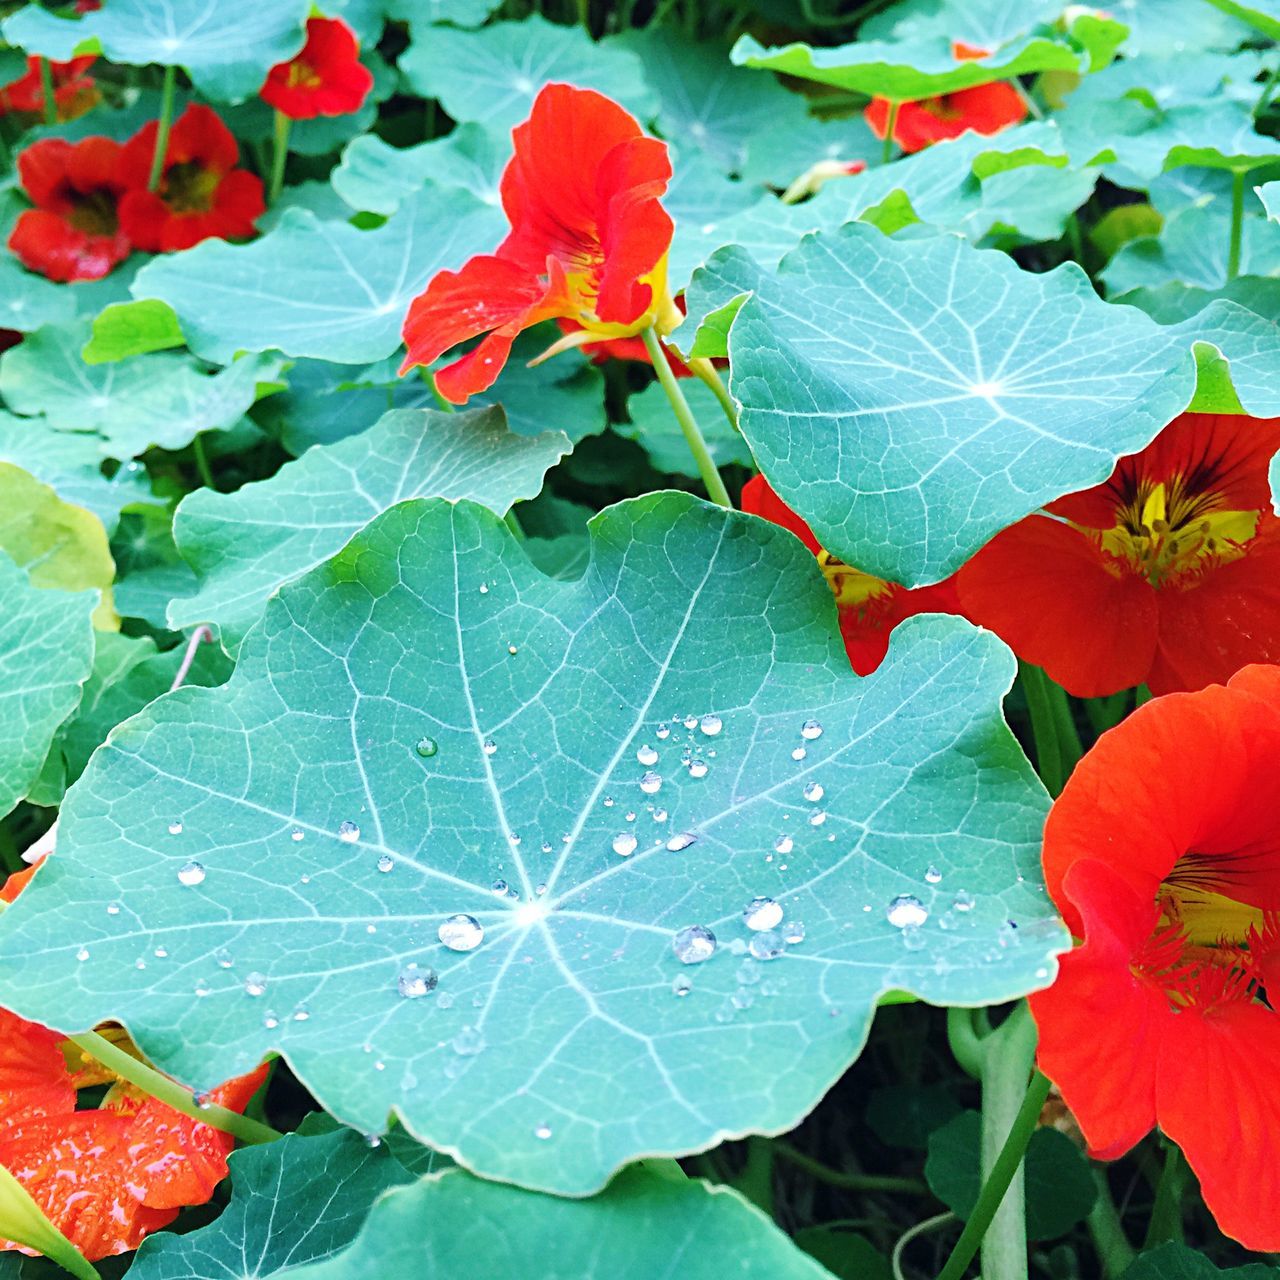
pixel 28 301
pixel 243 545
pixel 427 714
pixel 1262 14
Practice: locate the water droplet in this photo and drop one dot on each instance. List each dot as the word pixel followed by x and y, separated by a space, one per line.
pixel 499 888
pixel 784 844
pixel 297 835
pixel 659 815
pixel 932 875
pixel 650 783
pixel 201 989
pixel 373 1141
pixel 270 1021
pixel 413 982
pixel 444 1000
pixel 711 725
pixel 113 908
pixel 629 816
pixel 742 998
pixel 799 753
pixel 468 1042
pixel 511 649
pixel 694 944
pixel 697 768
pixel 690 722
pixel 647 755
pixel 175 828
pixel 678 843
pixel 426 747
pixel 222 958
pixel 385 862
pixel 348 831
pixel 793 932
pixel 542 1132
pixel 255 984
pixel 161 953
pixel 905 909
pixel 817 817
pixel 608 803
pixel 811 729
pixel 301 1013
pixel 814 791
pixel 762 913
pixel 83 954
pixel 767 945
pixel 748 972
pixel 538 889
pixel 964 901
pixel 662 732
pixel 624 844
pixel 460 933
pixel 191 873
pixel 489 746
pixel 913 937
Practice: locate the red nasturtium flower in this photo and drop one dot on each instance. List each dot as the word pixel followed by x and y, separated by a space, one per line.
pixel 326 78
pixel 110 1175
pixel 986 109
pixel 588 242
pixel 73 91
pixel 869 608
pixel 1163 854
pixel 73 233
pixel 1166 575
pixel 201 192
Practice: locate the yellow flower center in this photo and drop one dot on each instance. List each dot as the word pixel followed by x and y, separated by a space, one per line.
pixel 852 588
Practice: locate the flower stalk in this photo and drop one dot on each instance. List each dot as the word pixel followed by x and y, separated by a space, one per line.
pixel 48 100
pixel 279 154
pixel 163 126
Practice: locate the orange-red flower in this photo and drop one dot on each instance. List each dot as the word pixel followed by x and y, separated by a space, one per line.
pixel 109 1175
pixel 869 608
pixel 633 349
pixel 201 192
pixel 986 109
pixel 74 232
pixel 1166 575
pixel 588 242
pixel 1163 854
pixel 73 91
pixel 326 78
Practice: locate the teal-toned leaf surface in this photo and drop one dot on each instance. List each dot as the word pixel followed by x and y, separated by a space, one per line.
pixel 981 24
pixel 70 463
pixel 1059 1185
pixel 149 571
pixel 318 198
pixel 847 1255
pixel 1275 483
pixel 28 301
pixel 453 1224
pixel 461 13
pixel 777 158
pixel 1178 1262
pixel 654 427
pixel 227 51
pixel 243 545
pixel 293 1202
pixel 492 76
pixel 426 715
pixel 322 289
pixel 910 399
pixel 707 104
pixel 1250 343
pixel 907 69
pixel 701 202
pixel 1192 248
pixel 1269 194
pixel 161 399
pixel 46 652
pixel 376 176
pixel 1264 15
pixel 1171 26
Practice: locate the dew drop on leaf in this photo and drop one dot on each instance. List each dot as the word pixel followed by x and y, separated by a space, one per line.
pixel 191 873
pixel 767 945
pixel 793 932
pixel 906 909
pixel 348 832
pixel 964 901
pixel 784 844
pixel 426 747
pixel 762 913
pixel 650 783
pixel 694 944
pixel 297 835
pixel 542 1132
pixel 499 888
pixel 799 753
pixel 175 828
pixel 413 982
pixel 932 875
pixel 489 746
pixel 468 1042
pixel 385 862
pixel 810 730
pixel 624 844
pixel 711 725
pixel 678 843
pixel 460 933
pixel 647 755
pixel 697 768
pixel 814 791
pixel 255 984
pixel 817 817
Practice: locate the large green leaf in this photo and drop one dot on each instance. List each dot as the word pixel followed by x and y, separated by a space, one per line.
pixel 912 398
pixel 46 651
pixel 1269 194
pixel 1170 26
pixel 1251 345
pixel 655 428
pixel 28 301
pixel 293 1202
pixel 491 76
pixel 243 545
pixel 1262 14
pixel 159 399
pixel 906 69
pixel 227 49
pixel 645 1225
pixel 426 715
pixel 981 24
pixel 323 289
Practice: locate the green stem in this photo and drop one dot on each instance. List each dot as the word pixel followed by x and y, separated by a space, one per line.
pixel 710 376
pixel 849 1181
pixel 756 1179
pixel 1064 723
pixel 279 155
pixel 1044 727
pixel 170 1092
pixel 1115 1253
pixel 48 96
pixel 966 1044
pixel 1008 1059
pixel 1268 88
pixel 997 1183
pixel 1237 223
pixel 889 126
pixel 512 521
pixel 1166 1213
pixel 445 406
pixel 163 126
pixel 684 416
pixel 202 463
pixel 1027 100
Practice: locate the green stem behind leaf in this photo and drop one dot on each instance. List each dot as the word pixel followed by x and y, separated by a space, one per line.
pixel 163 125
pixel 1237 223
pixel 1115 1253
pixel 1166 1213
pixel 48 97
pixel 890 125
pixel 279 155
pixel 1050 762
pixel 849 1181
pixel 707 372
pixel 684 416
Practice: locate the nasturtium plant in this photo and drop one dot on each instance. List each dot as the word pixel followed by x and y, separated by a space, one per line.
pixel 639 638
